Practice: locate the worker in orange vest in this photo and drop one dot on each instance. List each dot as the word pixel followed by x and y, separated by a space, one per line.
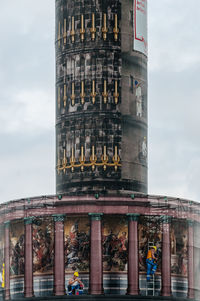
pixel 151 262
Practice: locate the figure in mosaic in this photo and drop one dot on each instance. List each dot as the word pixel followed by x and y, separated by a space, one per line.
pixel 179 247
pixel 77 245
pixel 115 246
pixel 17 256
pixel 138 93
pixel 42 246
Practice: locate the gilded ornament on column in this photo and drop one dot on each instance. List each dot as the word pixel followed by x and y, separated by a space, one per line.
pixel 72 160
pixel 58 99
pixel 116 94
pixel 92 162
pixel 65 31
pixel 105 93
pixel 64 161
pixel 93 158
pixel 82 93
pixel 93 29
pixel 82 30
pixel 65 96
pixel 104 28
pixel 72 32
pixel 73 95
pixel 82 158
pixel 116 29
pixel 104 158
pixel 93 94
pixel 116 158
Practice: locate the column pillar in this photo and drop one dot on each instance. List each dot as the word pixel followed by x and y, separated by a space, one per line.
pixel 28 260
pixel 166 256
pixel 59 255
pixel 7 258
pixel 96 263
pixel 133 268
pixel 190 260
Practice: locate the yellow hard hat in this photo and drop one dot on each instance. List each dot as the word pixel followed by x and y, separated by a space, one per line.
pixel 76 274
pixel 155 248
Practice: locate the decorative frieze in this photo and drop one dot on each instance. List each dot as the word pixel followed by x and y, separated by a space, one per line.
pixel 62 29
pixel 93 160
pixel 62 90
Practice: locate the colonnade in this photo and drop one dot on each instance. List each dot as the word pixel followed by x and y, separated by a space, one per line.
pixel 96 264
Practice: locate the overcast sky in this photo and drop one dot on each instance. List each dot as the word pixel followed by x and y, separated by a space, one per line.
pixel 27 98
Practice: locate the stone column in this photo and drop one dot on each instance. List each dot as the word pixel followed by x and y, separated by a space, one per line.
pixel 7 259
pixel 28 260
pixel 166 257
pixel 133 268
pixel 190 260
pixel 196 228
pixel 96 264
pixel 59 255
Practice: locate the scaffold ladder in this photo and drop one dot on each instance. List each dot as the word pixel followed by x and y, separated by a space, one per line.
pixel 150 285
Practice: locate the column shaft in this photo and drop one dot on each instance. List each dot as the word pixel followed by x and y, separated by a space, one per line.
pixel 59 258
pixel 28 285
pixel 133 268
pixel 190 261
pixel 96 264
pixel 7 260
pixel 166 260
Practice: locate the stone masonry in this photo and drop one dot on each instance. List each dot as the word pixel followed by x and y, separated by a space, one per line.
pixel 101 140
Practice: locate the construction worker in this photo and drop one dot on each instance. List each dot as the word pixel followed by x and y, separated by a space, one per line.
pixel 75 285
pixel 2 281
pixel 151 262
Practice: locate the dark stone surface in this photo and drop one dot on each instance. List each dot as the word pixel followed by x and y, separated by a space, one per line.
pixel 99 124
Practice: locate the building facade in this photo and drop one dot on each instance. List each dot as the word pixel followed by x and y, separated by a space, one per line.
pixel 44 240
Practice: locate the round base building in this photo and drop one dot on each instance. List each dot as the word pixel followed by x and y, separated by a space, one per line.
pixel 45 240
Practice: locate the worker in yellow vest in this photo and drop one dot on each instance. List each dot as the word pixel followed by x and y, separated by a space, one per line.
pixel 2 276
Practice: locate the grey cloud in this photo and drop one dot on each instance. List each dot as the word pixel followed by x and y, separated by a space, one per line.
pixel 27 98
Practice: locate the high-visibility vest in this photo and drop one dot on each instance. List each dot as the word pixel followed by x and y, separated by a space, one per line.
pixel 149 255
pixel 3 277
